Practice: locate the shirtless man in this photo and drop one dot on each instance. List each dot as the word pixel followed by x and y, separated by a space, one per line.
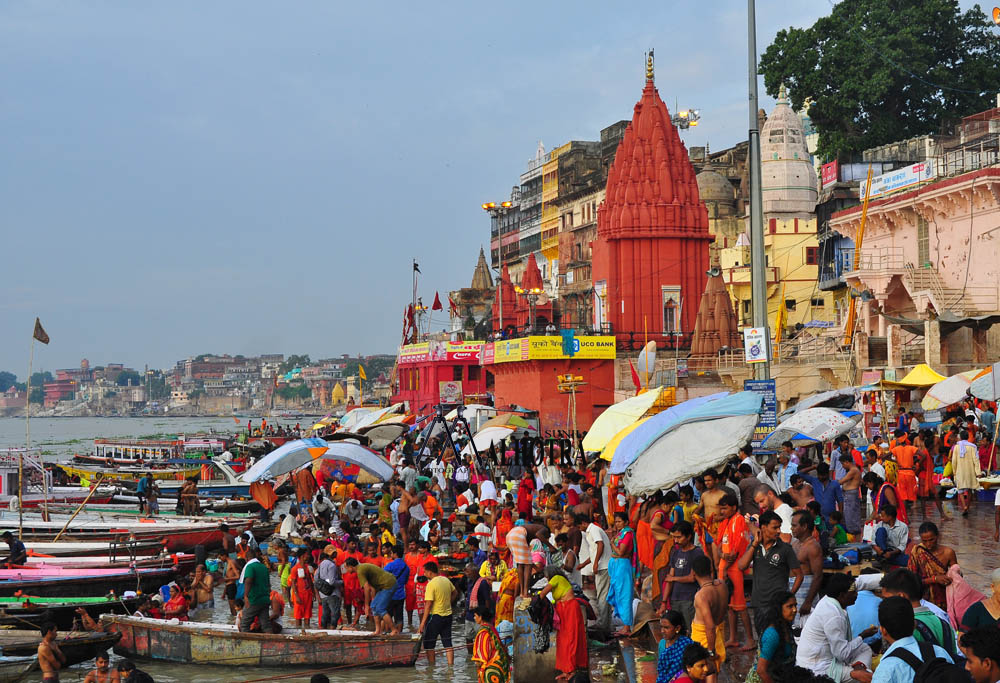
pixel 851 483
pixel 710 606
pixel 801 491
pixel 102 673
pixel 405 501
pixel 810 555
pixel 203 586
pixel 230 578
pixel 708 509
pixel 50 657
pixel 228 542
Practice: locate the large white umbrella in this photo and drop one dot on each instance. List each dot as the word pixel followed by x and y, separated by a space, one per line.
pixel 352 417
pixel 810 425
pixel 486 437
pixel 987 385
pixel 295 454
pixel 948 391
pixel 376 415
pixel 705 437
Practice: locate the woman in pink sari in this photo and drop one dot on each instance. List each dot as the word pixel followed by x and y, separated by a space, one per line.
pixel 960 595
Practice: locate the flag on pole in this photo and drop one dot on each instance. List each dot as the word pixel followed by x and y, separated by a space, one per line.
pixel 361 372
pixel 40 334
pixel 416 267
pixel 635 377
pixel 436 306
pixel 453 308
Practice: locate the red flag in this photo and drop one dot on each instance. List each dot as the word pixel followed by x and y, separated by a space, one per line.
pixel 452 306
pixel 635 377
pixel 437 303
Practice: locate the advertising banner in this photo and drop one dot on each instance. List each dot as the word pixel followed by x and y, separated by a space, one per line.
pixel 450 392
pixel 768 418
pixel 829 173
pixel 900 179
pixel 755 344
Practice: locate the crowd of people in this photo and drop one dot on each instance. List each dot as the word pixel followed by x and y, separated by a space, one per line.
pixel 742 557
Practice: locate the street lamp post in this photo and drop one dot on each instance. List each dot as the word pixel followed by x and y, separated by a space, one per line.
pixel 758 264
pixel 532 295
pixel 496 211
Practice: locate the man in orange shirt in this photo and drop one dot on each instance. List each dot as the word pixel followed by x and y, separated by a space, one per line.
pixel 906 476
pixel 733 538
pixel 431 506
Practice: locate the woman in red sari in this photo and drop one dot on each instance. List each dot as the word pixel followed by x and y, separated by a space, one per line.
pixel 488 650
pixel 177 606
pixel 571 636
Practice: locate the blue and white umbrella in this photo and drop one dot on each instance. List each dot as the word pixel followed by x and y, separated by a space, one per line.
pixel 296 454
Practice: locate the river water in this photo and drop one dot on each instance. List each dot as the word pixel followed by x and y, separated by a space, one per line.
pixel 59 438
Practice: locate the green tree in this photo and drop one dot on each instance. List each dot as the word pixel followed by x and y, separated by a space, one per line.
pixel 40 378
pixel 879 71
pixel 7 380
pixel 37 394
pixel 158 388
pixel 293 362
pixel 128 378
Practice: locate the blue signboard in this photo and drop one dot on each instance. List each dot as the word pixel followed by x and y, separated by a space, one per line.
pixel 768 418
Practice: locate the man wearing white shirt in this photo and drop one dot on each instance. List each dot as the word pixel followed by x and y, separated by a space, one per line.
pixel 769 476
pixel 594 560
pixel 825 646
pixel 487 494
pixel 786 468
pixel 746 455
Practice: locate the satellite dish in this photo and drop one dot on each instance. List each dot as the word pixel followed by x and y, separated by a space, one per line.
pixel 996 16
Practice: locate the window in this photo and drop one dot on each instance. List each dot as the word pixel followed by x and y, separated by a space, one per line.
pixel 790 304
pixel 812 256
pixel 820 302
pixel 672 303
pixel 456 373
pixel 923 243
pixel 475 373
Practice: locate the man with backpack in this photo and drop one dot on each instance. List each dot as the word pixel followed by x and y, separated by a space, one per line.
pixel 928 627
pixel 905 660
pixel 982 650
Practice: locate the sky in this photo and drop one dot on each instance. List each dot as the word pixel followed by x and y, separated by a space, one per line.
pixel 245 177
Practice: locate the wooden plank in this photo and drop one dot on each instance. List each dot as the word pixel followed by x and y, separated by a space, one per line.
pixel 226 651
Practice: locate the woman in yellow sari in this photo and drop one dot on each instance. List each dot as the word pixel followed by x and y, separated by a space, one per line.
pixel 509 589
pixel 488 651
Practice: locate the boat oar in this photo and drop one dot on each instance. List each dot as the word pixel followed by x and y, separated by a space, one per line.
pixel 92 492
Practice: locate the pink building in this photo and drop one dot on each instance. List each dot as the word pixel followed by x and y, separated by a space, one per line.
pixel 926 278
pixel 13 399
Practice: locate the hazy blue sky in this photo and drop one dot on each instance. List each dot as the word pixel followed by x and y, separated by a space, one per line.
pixel 191 177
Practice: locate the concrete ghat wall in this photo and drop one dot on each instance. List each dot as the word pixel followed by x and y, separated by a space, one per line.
pixel 529 665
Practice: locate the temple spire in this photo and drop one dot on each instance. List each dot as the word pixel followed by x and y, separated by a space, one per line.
pixel 649 65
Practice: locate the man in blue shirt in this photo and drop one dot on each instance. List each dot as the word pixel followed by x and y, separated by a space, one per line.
pixel 903 655
pixel 825 490
pixel 397 567
pixel 864 611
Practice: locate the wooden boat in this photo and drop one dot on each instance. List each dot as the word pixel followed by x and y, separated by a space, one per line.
pixel 104 562
pixel 13 669
pixel 26 612
pixel 93 548
pixel 78 647
pixel 140 580
pixel 217 479
pixel 93 473
pixel 206 643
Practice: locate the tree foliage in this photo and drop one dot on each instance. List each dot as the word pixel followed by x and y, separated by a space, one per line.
pixel 293 362
pixel 37 394
pixel 879 71
pixel 128 378
pixel 7 380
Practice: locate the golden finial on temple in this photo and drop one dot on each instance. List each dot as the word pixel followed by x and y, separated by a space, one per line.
pixel 649 65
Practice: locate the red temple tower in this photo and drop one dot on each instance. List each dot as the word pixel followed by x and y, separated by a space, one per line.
pixel 651 252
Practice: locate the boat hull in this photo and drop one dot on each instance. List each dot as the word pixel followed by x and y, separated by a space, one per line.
pixel 15 614
pixel 146 581
pixel 202 644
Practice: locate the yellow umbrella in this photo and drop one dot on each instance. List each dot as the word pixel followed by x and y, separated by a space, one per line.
pixel 609 448
pixel 617 417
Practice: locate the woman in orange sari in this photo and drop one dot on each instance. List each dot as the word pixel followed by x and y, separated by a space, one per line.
pixel 660 525
pixel 488 651
pixel 500 531
pixel 509 589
